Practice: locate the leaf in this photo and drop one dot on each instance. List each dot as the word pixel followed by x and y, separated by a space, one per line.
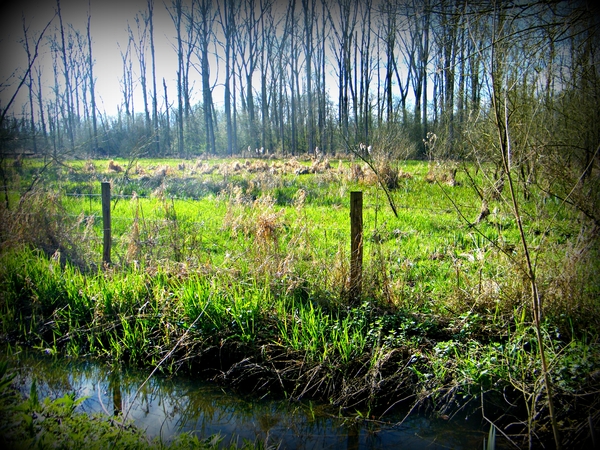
pixel 34 401
pixel 491 441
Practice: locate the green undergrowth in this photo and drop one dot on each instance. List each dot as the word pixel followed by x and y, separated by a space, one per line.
pixel 246 335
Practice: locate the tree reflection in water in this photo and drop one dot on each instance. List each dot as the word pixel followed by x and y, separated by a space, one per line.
pixel 166 407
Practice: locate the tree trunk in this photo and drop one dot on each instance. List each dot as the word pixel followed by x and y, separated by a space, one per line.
pixel 30 86
pixel 67 77
pixel 309 8
pixel 168 120
pixel 92 87
pixel 155 93
pixel 179 78
pixel 41 106
pixel 205 32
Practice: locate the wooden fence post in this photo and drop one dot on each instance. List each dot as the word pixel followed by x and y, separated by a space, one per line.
pixel 356 253
pixel 106 222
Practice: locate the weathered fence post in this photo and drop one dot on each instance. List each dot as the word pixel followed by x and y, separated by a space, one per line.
pixel 356 252
pixel 106 222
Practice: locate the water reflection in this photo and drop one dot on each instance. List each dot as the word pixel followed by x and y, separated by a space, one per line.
pixel 114 386
pixel 165 407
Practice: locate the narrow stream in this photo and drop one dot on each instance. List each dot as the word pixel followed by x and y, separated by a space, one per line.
pixel 166 407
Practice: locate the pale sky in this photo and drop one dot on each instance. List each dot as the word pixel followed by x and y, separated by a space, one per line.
pixel 108 27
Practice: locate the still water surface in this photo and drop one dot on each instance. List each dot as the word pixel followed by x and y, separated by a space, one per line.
pixel 166 407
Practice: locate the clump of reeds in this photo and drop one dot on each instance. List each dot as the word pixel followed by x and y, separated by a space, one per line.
pixel 163 171
pixel 356 173
pixel 268 224
pixel 442 172
pixel 320 165
pixel 114 167
pixel 40 221
pixel 386 174
pixel 89 167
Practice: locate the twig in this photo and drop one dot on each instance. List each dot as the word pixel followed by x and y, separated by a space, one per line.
pixel 492 423
pixel 381 183
pixel 158 365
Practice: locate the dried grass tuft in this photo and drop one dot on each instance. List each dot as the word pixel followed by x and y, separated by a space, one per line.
pixel 40 221
pixel 163 171
pixel 114 167
pixel 267 227
pixel 443 173
pixel 300 199
pixel 356 173
pixel 89 167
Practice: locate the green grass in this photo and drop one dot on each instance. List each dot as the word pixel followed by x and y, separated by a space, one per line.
pixel 244 273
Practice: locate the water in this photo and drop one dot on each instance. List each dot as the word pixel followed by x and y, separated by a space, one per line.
pixel 166 407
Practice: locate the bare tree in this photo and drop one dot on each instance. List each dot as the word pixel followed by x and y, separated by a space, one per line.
pixel 167 118
pixel 140 45
pixel 320 73
pixel 127 82
pixel 92 83
pixel 293 60
pixel 150 21
pixel 364 104
pixel 343 17
pixel 267 31
pixel 21 81
pixel 228 10
pixel 308 8
pixel 204 34
pixel 247 56
pixel 40 102
pixel 29 84
pixel 67 79
pixel 176 16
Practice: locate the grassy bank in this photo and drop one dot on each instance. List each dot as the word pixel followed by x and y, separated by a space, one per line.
pixel 239 271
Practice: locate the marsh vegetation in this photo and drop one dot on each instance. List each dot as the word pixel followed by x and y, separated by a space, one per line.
pixel 238 271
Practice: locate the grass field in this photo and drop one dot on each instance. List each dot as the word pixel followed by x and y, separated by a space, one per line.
pixel 239 270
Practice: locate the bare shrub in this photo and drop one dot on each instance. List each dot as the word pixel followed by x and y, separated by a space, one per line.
pixel 570 282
